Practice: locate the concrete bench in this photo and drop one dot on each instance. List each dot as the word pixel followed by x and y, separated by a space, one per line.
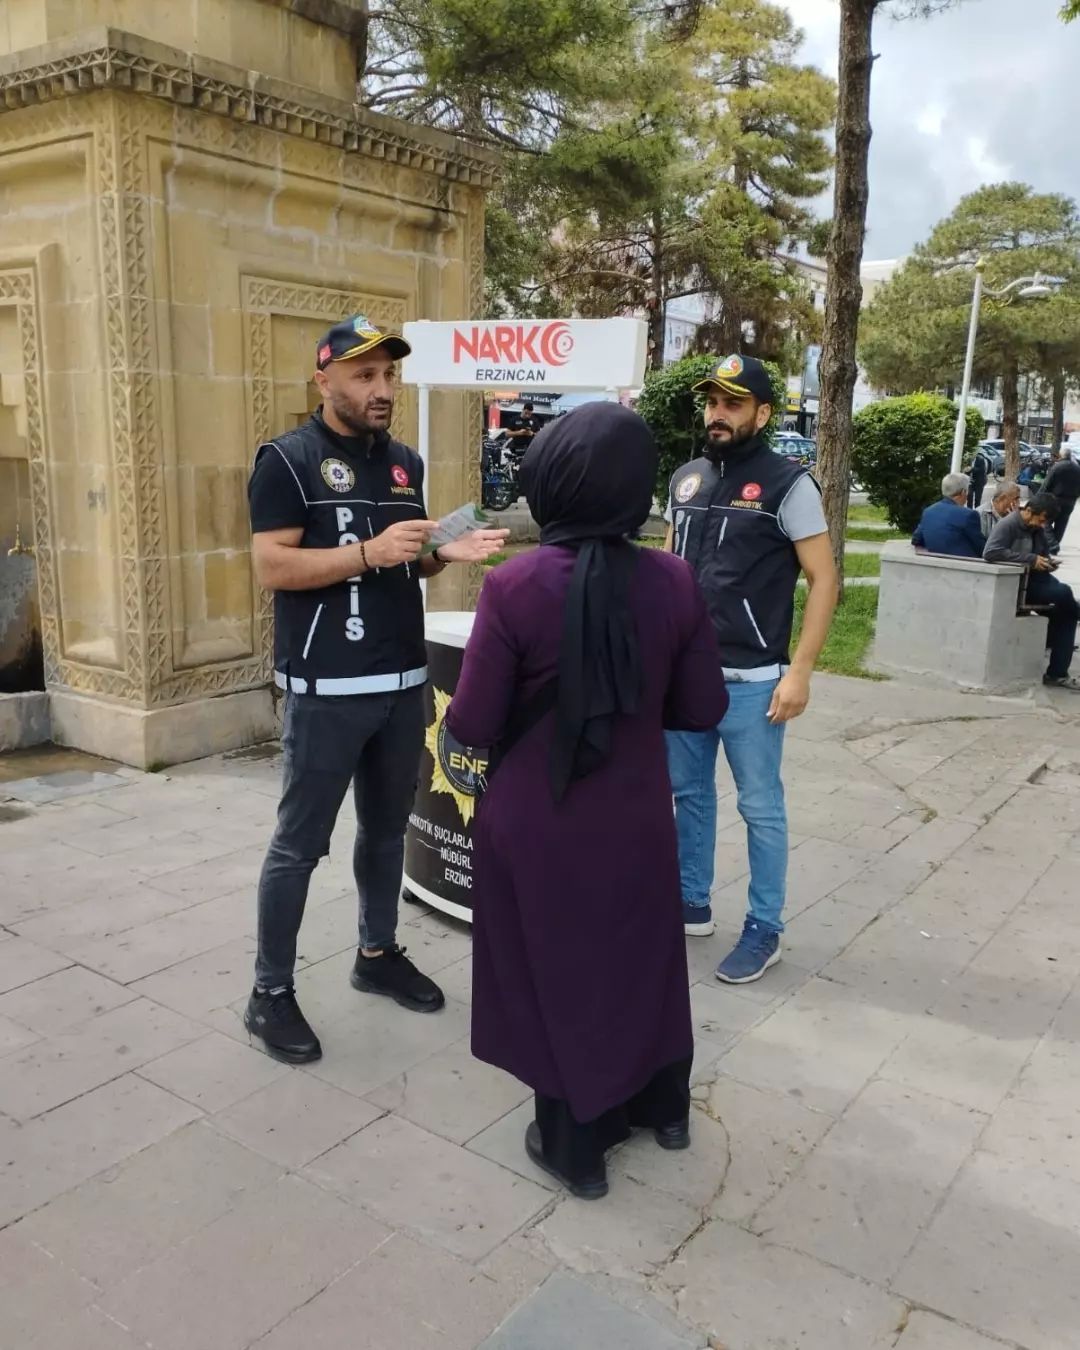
pixel 958 621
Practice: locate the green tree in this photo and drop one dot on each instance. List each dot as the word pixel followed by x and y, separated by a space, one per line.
pixel 674 412
pixel 1070 11
pixel 915 330
pixel 901 448
pixel 696 180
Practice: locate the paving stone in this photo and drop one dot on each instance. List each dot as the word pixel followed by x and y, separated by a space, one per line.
pixel 22 962
pixel 87 1329
pixel 504 1143
pixel 330 928
pixel 628 1235
pixel 815 869
pixel 214 1072
pixel 950 1060
pixel 936 841
pixel 882 882
pixel 62 1067
pixel 1042 1135
pixel 749 1295
pixel 145 1206
pixel 378 1041
pixel 62 1001
pixel 14 1036
pixel 45 1157
pixel 820 933
pixel 821 1047
pixel 142 835
pixel 452 1094
pixel 435 941
pixel 927 1331
pixel 295 1119
pixel 273 1251
pixel 218 877
pixel 1002 1254
pixel 35 1287
pixel 866 1191
pixel 424 1299
pixel 1051 1077
pixel 167 941
pixel 72 926
pixel 768 1135
pixel 694 1175
pixel 456 981
pixel 718 1016
pixel 899 964
pixel 566 1314
pixel 415 1180
pixel 202 983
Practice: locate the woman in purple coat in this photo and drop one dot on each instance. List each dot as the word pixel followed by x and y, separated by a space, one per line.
pixel 596 646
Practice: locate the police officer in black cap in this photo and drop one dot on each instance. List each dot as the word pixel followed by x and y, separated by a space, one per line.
pixel 339 530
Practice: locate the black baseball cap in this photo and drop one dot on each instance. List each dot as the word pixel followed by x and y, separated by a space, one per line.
pixel 355 336
pixel 743 376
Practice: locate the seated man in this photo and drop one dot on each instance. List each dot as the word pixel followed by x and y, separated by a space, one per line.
pixel 1003 503
pixel 1021 538
pixel 948 526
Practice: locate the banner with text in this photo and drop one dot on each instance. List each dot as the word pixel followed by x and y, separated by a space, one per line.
pixel 555 354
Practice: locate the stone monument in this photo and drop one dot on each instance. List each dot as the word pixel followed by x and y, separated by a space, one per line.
pixel 189 195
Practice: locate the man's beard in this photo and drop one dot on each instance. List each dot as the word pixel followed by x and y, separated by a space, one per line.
pixel 347 412
pixel 735 445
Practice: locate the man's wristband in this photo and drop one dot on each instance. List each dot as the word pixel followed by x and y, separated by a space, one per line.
pixel 440 563
pixel 363 556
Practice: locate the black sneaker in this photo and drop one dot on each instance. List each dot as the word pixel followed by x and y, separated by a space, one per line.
pixel 394 975
pixel 278 1022
pixel 1062 682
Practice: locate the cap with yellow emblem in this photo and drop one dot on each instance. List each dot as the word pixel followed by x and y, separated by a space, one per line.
pixel 354 337
pixel 743 376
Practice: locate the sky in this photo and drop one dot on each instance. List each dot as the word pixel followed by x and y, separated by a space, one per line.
pixel 984 93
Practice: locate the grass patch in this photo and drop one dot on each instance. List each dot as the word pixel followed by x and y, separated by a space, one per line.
pixel 862 564
pixel 496 559
pixel 851 633
pixel 866 515
pixel 872 536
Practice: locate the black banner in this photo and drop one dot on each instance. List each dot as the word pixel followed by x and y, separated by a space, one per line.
pixel 438 841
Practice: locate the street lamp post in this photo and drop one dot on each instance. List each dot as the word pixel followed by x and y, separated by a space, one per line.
pixel 1027 288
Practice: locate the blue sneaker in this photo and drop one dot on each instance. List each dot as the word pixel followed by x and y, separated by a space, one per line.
pixel 753 954
pixel 697 920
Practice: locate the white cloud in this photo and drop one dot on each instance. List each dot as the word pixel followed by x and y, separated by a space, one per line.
pixel 979 94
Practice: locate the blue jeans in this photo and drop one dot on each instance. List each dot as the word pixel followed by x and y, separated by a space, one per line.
pixel 754 748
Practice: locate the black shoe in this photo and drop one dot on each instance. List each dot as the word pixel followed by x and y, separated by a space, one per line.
pixel 278 1022
pixel 593 1188
pixel 674 1136
pixel 394 975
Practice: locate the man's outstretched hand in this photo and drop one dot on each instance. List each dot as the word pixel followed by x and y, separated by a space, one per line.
pixel 477 546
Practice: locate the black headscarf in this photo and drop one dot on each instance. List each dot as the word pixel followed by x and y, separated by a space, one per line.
pixel 589 480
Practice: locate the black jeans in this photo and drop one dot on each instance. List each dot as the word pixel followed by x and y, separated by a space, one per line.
pixel 1043 589
pixel 1061 524
pixel 372 741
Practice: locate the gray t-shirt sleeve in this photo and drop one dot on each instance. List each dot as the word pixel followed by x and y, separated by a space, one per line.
pixel 801 513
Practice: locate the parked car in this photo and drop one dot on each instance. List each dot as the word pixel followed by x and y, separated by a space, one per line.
pixel 793 446
pixel 1028 454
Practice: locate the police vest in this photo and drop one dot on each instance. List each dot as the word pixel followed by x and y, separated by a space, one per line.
pixel 364 635
pixel 725 523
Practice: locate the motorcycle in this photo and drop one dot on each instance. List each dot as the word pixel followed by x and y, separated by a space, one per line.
pixel 500 469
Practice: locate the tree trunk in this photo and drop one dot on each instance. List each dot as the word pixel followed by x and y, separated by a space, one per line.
pixel 1010 418
pixel 1057 424
pixel 843 290
pixel 658 299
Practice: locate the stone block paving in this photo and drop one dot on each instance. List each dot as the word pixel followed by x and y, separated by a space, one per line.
pixel 885 1152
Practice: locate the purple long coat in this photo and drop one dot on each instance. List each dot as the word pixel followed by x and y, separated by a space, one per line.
pixel 579 963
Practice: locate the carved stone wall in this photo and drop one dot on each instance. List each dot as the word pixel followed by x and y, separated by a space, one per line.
pixel 172 253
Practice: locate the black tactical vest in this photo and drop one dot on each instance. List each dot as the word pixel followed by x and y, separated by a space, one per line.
pixel 725 523
pixel 364 635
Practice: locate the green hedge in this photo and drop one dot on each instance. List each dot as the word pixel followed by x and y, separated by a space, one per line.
pixel 901 450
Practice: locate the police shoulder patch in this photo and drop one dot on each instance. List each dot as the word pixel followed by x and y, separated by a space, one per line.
pixel 687 487
pixel 337 475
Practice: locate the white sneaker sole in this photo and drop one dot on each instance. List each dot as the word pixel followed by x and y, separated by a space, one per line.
pixel 749 979
pixel 699 929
